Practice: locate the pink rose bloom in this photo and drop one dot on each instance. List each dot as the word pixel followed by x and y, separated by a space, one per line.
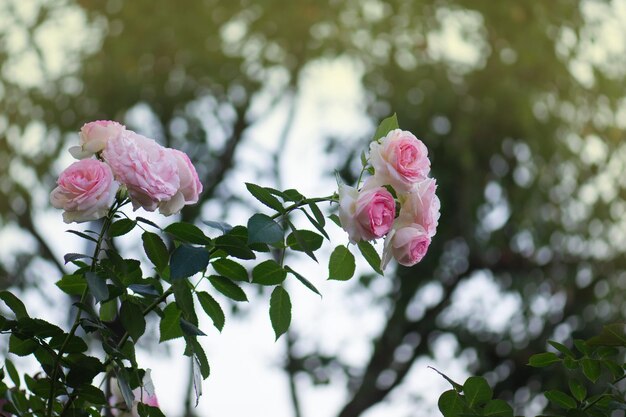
pixel 400 160
pixel 190 185
pixel 94 136
pixel 421 206
pixel 366 215
pixel 85 191
pixel 408 245
pixel 147 169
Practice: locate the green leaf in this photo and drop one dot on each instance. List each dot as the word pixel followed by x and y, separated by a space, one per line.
pixel 315 223
pixel 145 290
pixel 477 391
pixel 148 222
pixel 170 323
pixel 155 249
pixel 280 311
pixel 72 284
pixel 108 310
pixel 190 329
pixel 293 195
pixel 577 389
pixel 541 360
pixel 74 345
pixel 265 197
pixel 221 226
pixel 200 356
pixel 145 410
pixel 497 408
pixel 83 235
pixel 304 241
pixel 591 369
pixel 13 374
pixel 268 273
pixel 93 395
pixel 230 269
pixel 611 335
pixel 234 246
pixel 83 370
pixel 262 229
pixel 70 257
pixel 386 126
pixel 212 308
pixel 560 399
pixel 317 213
pixel 228 288
pixel 132 319
pixel 21 347
pixel 341 265
pixel 303 280
pixel 184 299
pixel 37 327
pixel 335 219
pixel 97 286
pixel 14 303
pixel 121 227
pixel 451 404
pixel 187 261
pixel 371 256
pixel 187 232
pixel 562 348
pixel 127 392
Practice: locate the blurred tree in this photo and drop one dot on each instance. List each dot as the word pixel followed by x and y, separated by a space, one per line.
pixel 520 103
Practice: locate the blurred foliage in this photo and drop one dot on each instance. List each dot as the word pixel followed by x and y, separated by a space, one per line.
pixel 520 103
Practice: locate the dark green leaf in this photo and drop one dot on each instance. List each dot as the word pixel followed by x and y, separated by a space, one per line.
pixel 83 235
pixel 108 310
pixel 230 269
pixel 144 289
pixel 93 395
pixel 74 345
pixel 187 232
pixel 72 284
pixel 304 241
pixel 386 126
pixel 212 308
pixel 228 288
pixel 268 273
pixel 477 391
pixel 293 195
pixel 127 393
pixel 97 286
pixel 451 404
pixel 265 197
pixel 190 329
pixel 234 246
pixel 14 303
pixel 155 249
pixel 148 411
pixel 371 256
pixel 577 389
pixel 562 348
pixel 541 360
pixel 38 327
pixel 221 226
pixel 315 223
pixel 560 399
pixel 335 219
pixel 591 369
pixel 611 335
pixel 170 323
pixel 317 213
pixel 13 374
pixel 83 369
pixel 184 299
pixel 303 280
pixel 132 319
pixel 200 356
pixel 280 311
pixel 148 222
pixel 21 347
pixel 262 229
pixel 497 408
pixel 187 261
pixel 121 227
pixel 341 265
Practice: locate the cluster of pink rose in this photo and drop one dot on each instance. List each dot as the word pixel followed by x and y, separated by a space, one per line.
pixel 400 161
pixel 111 156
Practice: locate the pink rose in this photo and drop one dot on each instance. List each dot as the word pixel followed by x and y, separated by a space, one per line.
pixel 147 169
pixel 142 395
pixel 190 185
pixel 366 215
pixel 94 137
pixel 421 206
pixel 408 245
pixel 400 160
pixel 85 191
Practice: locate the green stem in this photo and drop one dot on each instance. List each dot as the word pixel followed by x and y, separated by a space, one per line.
pixel 306 201
pixel 55 368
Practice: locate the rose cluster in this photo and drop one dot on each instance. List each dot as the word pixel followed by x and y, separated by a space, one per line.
pixel 400 165
pixel 111 156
